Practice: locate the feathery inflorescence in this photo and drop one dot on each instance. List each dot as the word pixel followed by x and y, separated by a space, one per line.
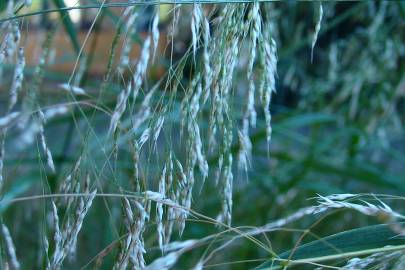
pixel 218 38
pixel 199 94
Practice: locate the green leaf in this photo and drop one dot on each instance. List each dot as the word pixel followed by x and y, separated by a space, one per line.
pixel 68 24
pixel 19 187
pixel 351 243
pixel 308 119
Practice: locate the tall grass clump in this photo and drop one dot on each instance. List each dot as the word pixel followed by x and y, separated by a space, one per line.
pixel 193 135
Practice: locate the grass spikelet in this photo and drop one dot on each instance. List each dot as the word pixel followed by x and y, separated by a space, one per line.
pixel 183 177
pixel 119 109
pixel 46 248
pixel 30 102
pixel 135 160
pixel 133 87
pixel 169 178
pixel 158 127
pixel 195 101
pixel 190 107
pixel 18 78
pixel 144 112
pixel 73 89
pixel 184 186
pixel 158 197
pixel 170 213
pixel 36 125
pixel 173 27
pixel 141 67
pixel 230 32
pixel 8 120
pixel 11 40
pixel 202 161
pixel 254 16
pixel 249 117
pixel 168 261
pixel 226 213
pixel 81 212
pixel 57 238
pixel 317 29
pixel 227 177
pixel 245 150
pixel 144 137
pixel 186 107
pixel 123 257
pixel 382 211
pixel 206 60
pixel 10 248
pixel 159 210
pixel 55 111
pixel 137 252
pixel 130 26
pixel 155 33
pixel 218 172
pixel 45 147
pixel 172 216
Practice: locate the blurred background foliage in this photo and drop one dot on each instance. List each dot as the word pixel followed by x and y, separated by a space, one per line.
pixel 337 122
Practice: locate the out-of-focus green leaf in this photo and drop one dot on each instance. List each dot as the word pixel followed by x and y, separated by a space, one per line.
pixel 18 188
pixel 68 24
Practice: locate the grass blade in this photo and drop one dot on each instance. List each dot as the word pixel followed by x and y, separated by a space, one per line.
pixel 356 242
pixel 68 25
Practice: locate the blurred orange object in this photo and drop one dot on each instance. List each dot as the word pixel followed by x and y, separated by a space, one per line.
pixel 62 56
